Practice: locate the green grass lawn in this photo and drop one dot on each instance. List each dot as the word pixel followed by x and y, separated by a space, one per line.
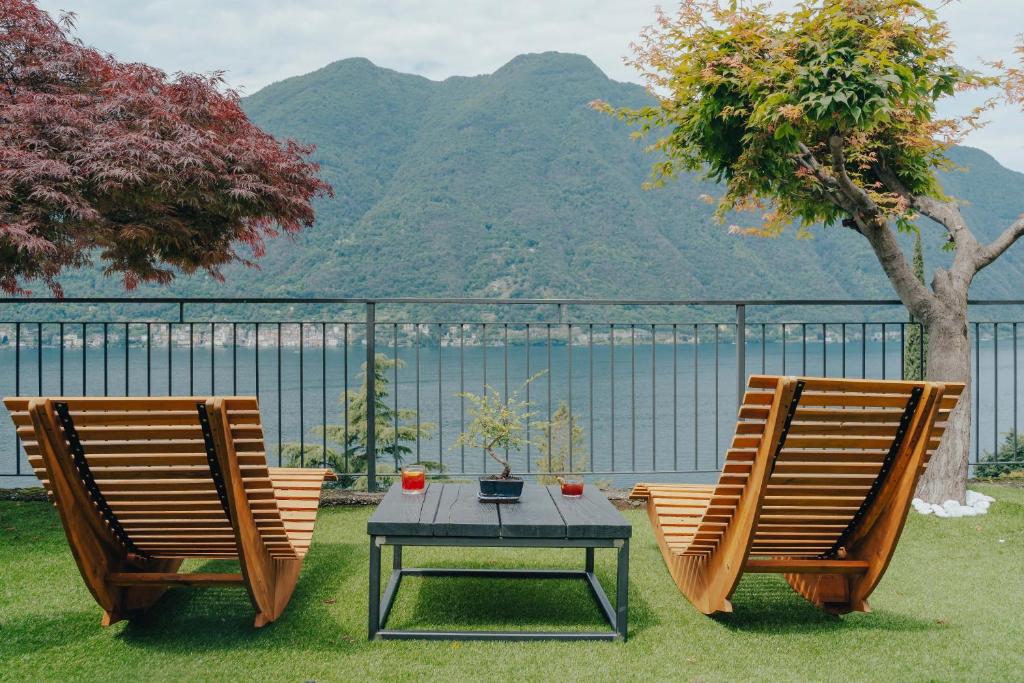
pixel 950 608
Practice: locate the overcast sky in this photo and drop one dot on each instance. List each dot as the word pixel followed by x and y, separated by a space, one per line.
pixel 261 41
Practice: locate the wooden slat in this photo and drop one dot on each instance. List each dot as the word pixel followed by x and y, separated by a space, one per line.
pixel 792 566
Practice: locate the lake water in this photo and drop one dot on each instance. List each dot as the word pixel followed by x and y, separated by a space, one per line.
pixel 643 407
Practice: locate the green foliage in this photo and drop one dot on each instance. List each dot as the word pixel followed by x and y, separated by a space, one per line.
pixel 553 443
pixel 496 423
pixel 916 343
pixel 748 90
pixel 1009 459
pixel 394 431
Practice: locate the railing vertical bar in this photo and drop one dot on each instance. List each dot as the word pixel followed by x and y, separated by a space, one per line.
pixel 995 390
pixel 764 349
pixel 394 394
pixel 149 359
pixel 85 361
pixel 127 361
pixel 483 350
pixel 323 391
pixel 191 358
pixel 784 330
pixel 844 349
pixel 569 362
pixel 62 359
pixel 549 373
pixel 106 355
pixel 803 349
pixel 654 400
pixel 741 353
pixel 696 403
pixel 170 358
pixel 529 441
pixel 863 351
pixel 440 405
pixel 504 344
pixel 884 352
pixel 257 358
pixel 590 390
pixel 344 391
pixel 234 360
pixel 280 425
pixel 824 349
pixel 417 334
pixel 675 396
pixel 611 371
pixel 632 394
pixel 717 364
pixel 302 395
pixel 39 358
pixel 370 374
pixel 903 350
pixel 17 392
pixel 462 386
pixel 213 358
pixel 977 392
pixel 1016 432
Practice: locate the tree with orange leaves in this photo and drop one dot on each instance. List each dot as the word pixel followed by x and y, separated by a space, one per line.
pixel 828 114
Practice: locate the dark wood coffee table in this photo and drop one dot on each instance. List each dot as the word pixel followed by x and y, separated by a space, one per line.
pixel 451 515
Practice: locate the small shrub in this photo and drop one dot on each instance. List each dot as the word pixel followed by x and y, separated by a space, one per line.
pixel 1009 459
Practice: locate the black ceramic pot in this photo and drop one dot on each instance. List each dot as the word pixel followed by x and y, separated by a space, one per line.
pixel 506 488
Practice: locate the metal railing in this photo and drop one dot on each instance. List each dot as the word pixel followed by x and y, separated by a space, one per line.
pixel 617 399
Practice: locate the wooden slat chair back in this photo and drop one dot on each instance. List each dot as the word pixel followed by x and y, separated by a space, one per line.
pixel 816 485
pixel 143 483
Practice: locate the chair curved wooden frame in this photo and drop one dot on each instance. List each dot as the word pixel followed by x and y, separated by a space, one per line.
pixel 816 486
pixel 141 483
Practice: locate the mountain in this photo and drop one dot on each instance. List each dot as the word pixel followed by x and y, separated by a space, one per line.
pixel 509 185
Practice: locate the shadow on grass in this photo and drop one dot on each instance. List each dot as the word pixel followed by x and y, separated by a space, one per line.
pixel 462 603
pixel 201 619
pixel 766 603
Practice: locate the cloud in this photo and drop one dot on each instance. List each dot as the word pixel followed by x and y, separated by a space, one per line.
pixel 258 42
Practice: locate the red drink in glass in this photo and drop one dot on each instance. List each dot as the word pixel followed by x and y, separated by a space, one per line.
pixel 414 479
pixel 572 489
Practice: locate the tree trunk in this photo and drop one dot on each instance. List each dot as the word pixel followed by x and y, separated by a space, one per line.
pixel 949 359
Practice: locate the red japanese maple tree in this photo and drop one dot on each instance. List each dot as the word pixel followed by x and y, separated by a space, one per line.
pixel 154 174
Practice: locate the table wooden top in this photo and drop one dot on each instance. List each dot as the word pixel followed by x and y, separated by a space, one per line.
pixel 454 510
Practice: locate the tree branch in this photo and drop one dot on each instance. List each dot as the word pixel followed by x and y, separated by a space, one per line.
pixel 872 224
pixel 994 249
pixel 860 199
pixel 831 188
pixel 946 214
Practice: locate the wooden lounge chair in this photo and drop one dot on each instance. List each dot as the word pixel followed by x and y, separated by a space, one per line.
pixel 142 483
pixel 816 486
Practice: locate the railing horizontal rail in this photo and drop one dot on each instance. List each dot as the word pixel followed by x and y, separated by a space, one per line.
pixel 617 400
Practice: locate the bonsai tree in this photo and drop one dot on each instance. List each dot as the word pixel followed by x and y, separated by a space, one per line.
pixel 829 114
pixel 154 175
pixel 496 425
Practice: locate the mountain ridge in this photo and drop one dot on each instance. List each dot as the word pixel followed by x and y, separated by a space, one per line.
pixel 508 184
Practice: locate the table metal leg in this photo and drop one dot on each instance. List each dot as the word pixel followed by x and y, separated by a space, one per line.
pixel 622 590
pixel 374 606
pixel 380 605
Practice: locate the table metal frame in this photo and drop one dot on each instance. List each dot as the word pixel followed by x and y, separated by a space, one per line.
pixel 380 606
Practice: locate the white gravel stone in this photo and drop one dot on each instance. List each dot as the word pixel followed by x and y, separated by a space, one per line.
pixel 975 503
